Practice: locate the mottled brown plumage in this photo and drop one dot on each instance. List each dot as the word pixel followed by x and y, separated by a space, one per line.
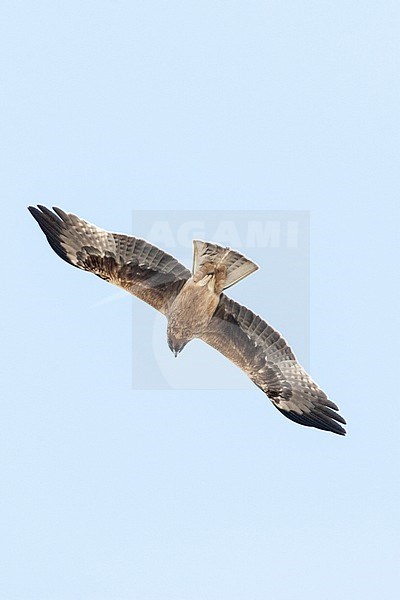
pixel 196 307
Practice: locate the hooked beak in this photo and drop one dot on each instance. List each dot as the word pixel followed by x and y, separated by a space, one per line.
pixel 176 347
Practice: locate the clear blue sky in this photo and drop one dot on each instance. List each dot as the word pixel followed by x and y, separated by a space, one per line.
pixel 114 493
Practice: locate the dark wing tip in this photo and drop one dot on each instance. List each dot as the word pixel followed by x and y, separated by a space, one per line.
pixel 63 215
pixel 35 212
pixel 53 227
pixel 327 412
pixel 40 210
pixel 316 418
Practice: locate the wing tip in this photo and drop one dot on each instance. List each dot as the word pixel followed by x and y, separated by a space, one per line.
pixel 60 213
pixel 40 211
pixel 53 227
pixel 34 210
pixel 315 419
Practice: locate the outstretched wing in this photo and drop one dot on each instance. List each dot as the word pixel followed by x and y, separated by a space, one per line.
pixel 265 357
pixel 131 263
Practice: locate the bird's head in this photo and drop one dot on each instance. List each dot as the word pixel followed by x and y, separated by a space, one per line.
pixel 177 337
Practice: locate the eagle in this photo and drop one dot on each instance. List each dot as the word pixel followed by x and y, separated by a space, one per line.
pixel 196 306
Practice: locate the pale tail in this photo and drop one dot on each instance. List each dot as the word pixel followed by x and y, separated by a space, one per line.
pixel 238 266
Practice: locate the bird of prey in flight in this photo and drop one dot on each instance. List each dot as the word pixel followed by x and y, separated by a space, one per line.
pixel 196 307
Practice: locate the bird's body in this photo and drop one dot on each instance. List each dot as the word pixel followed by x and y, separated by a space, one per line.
pixel 197 303
pixel 196 307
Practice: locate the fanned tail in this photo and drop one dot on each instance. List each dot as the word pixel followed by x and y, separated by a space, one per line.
pixel 211 258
